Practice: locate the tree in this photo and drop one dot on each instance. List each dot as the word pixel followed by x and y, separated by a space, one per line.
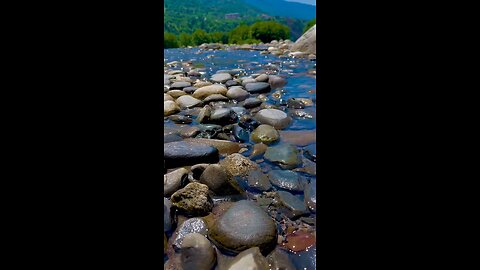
pixel 169 40
pixel 310 24
pixel 240 34
pixel 268 31
pixel 199 37
pixel 185 40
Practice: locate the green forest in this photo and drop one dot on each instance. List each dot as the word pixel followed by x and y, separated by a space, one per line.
pixel 193 22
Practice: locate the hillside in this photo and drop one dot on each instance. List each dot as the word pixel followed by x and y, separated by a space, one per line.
pixel 284 8
pixel 209 15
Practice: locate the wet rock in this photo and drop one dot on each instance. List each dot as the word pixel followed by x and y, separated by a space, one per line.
pixel 258 181
pixel 262 78
pixel 295 104
pixel 204 114
pixel 246 121
pixel 237 93
pixel 310 152
pixel 252 102
pixel 179 85
pixel 230 83
pixel 258 150
pixel 167 215
pixel 192 225
pixel 240 133
pixel 188 102
pixel 196 171
pixel 294 206
pixel 172 181
pixel 299 241
pixel 311 196
pixel 276 81
pixel 278 260
pixel 193 200
pixel 224 147
pixel 223 116
pixel 238 165
pixel 257 87
pixel 273 117
pixel 176 93
pixel 173 137
pixel 221 77
pixel 286 179
pixel 189 90
pixel 217 180
pixel 170 107
pixel 214 98
pixel 206 91
pixel 167 97
pixel 251 259
pixel 189 131
pixel 178 154
pixel 197 253
pixel 244 225
pixel 180 119
pixel 248 80
pixel 285 155
pixel 201 84
pixel 299 138
pixel 265 134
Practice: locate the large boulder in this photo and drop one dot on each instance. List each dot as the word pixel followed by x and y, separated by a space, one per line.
pixel 307 43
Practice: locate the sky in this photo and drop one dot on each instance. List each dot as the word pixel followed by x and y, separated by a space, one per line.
pixel 311 2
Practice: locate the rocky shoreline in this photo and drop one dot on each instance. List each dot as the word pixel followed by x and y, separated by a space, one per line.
pixel 239 185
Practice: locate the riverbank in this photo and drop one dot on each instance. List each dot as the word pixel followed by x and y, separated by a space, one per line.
pixel 240 154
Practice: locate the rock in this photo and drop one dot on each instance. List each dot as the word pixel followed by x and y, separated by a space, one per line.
pixel 223 116
pixel 188 102
pixel 240 133
pixel 204 114
pixel 265 134
pixel 276 81
pixel 189 90
pixel 279 260
pixel 217 180
pixel 172 181
pixel 246 81
pixel 179 85
pixel 197 253
pixel 262 78
pixel 242 226
pixel 306 259
pixel 192 225
pixel 252 102
pixel 295 104
pixel 221 77
pixel 170 107
pixel 238 165
pixel 311 196
pixel 171 138
pixel 298 137
pixel 193 200
pixel 180 119
pixel 215 97
pixel 189 131
pixel 257 87
pixel 307 43
pixel 294 206
pixel 258 181
pixel 231 83
pixel 273 117
pixel 299 241
pixel 310 152
pixel 250 259
pixel 167 215
pixel 206 91
pixel 224 147
pixel 176 93
pixel 167 97
pixel 178 154
pixel 258 150
pixel 288 180
pixel 237 93
pixel 284 155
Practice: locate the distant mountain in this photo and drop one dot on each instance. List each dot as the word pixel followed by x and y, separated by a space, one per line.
pixel 308 2
pixel 284 8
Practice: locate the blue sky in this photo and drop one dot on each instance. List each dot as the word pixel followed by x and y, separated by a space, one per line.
pixel 311 2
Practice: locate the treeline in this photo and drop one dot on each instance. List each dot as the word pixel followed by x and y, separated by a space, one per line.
pixel 310 24
pixel 243 34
